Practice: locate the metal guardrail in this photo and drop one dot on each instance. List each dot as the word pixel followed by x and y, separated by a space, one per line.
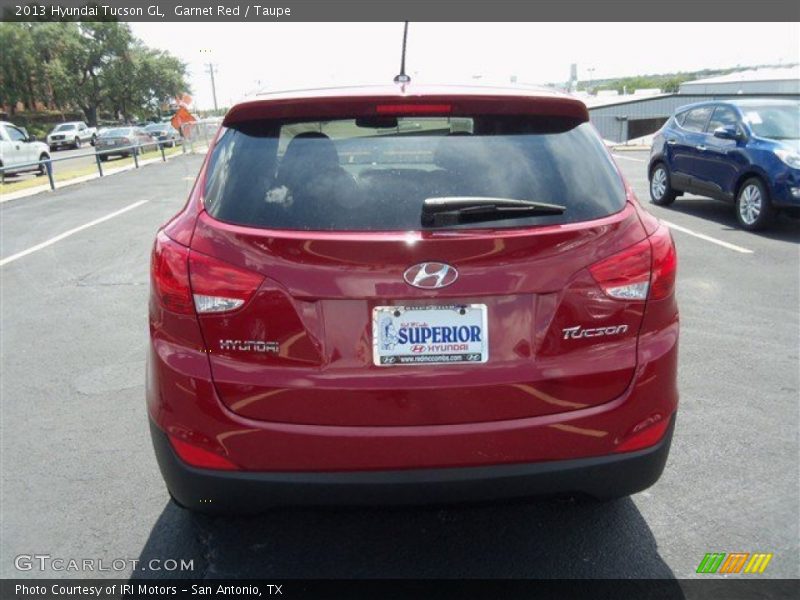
pixel 192 133
pixel 134 149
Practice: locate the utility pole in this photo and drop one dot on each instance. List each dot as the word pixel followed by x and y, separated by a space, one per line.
pixel 210 70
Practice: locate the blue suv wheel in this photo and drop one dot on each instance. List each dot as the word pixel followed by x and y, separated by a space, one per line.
pixel 661 192
pixel 753 207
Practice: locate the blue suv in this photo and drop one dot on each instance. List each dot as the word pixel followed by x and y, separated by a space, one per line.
pixel 742 151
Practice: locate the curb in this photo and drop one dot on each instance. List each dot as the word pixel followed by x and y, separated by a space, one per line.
pixel 624 148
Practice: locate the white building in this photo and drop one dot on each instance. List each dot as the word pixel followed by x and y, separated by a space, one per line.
pixel 621 118
pixel 756 81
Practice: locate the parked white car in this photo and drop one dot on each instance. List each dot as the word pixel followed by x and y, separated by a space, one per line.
pixel 71 134
pixel 19 148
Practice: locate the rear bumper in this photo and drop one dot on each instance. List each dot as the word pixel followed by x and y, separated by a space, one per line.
pixel 248 492
pixel 111 151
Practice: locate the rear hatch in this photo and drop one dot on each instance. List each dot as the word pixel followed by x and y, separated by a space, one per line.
pixel 323 299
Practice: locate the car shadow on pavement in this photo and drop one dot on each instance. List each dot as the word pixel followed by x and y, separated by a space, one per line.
pixel 552 538
pixel 784 228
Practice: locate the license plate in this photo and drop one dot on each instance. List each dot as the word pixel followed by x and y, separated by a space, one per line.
pixel 426 335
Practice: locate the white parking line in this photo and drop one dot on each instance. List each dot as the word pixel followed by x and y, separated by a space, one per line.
pixel 629 158
pixel 707 238
pixel 66 234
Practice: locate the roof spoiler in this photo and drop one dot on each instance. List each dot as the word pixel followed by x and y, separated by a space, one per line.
pixel 321 107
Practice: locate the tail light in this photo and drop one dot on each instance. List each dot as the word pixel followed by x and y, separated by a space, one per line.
pixel 169 271
pixel 219 286
pixel 665 264
pixel 644 270
pixel 214 286
pixel 626 275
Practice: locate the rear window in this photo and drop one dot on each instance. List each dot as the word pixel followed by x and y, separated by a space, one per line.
pixel 116 132
pixel 374 174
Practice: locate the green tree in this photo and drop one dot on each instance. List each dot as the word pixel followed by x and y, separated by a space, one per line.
pixel 161 76
pixel 17 65
pixel 143 79
pixel 52 41
pixel 93 66
pixel 97 47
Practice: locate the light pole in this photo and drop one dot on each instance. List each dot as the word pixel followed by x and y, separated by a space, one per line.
pixel 210 68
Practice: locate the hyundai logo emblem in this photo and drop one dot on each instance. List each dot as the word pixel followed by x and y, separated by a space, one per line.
pixel 430 275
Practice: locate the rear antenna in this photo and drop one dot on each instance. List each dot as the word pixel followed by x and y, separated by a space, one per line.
pixel 402 77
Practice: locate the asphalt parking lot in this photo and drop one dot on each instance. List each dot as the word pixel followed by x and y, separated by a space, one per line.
pixel 79 479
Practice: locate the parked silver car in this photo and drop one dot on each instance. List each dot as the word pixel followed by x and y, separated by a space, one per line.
pixel 119 141
pixel 165 133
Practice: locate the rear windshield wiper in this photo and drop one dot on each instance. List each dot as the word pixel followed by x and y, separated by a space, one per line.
pixel 452 210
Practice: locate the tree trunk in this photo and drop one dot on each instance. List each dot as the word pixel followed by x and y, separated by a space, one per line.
pixel 31 102
pixel 91 115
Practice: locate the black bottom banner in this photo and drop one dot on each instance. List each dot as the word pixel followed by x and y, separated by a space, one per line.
pixel 387 589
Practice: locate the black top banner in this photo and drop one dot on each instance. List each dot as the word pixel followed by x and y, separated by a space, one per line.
pixel 402 10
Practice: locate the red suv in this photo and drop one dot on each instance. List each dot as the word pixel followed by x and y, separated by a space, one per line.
pixel 403 294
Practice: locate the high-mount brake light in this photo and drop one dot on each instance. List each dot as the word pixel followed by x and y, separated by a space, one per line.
pixel 643 271
pixel 218 286
pixel 413 109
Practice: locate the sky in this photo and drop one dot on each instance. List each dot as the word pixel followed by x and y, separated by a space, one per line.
pixel 280 56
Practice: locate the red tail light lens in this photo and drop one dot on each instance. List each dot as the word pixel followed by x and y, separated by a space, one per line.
pixel 645 270
pixel 170 275
pixel 649 434
pixel 199 457
pixel 218 286
pixel 185 281
pixel 665 264
pixel 625 275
